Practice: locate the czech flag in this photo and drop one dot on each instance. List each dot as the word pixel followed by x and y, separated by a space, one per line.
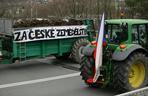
pixel 99 50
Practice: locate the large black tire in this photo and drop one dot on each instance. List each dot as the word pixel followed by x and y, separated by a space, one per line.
pixel 125 77
pixel 76 54
pixel 87 70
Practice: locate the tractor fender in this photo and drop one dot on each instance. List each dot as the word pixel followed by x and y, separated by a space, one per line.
pixel 123 54
pixel 88 50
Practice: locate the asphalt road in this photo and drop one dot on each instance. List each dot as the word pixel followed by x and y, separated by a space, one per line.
pixel 45 77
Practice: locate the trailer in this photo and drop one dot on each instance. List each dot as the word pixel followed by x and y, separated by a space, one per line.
pixel 39 42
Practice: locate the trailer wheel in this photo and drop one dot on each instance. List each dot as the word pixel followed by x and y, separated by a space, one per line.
pixel 88 70
pixel 76 54
pixel 132 73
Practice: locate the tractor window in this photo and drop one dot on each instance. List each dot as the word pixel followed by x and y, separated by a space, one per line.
pixel 117 34
pixel 139 34
pixel 135 34
pixel 142 34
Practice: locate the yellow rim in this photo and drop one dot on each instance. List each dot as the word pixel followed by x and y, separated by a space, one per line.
pixel 136 74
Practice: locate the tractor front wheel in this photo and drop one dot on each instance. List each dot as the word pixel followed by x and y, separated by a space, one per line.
pixel 132 73
pixel 76 53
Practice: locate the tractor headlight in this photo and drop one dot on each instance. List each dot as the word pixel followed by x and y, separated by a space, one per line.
pixel 122 46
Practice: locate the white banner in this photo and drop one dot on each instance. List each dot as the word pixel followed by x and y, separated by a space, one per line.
pixel 47 33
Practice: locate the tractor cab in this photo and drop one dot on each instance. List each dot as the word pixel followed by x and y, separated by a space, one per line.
pixel 117 33
pixel 131 31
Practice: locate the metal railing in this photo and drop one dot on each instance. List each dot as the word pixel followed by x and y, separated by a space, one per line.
pixel 138 92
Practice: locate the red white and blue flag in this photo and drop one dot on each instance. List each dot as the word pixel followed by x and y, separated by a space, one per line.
pixel 99 50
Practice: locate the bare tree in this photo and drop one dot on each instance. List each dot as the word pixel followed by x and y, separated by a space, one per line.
pixel 57 8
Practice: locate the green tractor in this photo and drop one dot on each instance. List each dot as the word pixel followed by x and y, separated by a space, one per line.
pixel 125 56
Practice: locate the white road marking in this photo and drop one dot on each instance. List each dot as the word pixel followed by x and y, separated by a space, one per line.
pixel 135 92
pixel 39 80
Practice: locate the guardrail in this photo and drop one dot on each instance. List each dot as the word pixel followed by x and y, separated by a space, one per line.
pixel 138 92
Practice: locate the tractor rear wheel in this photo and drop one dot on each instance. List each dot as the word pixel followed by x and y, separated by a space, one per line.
pixel 88 70
pixel 76 54
pixel 132 73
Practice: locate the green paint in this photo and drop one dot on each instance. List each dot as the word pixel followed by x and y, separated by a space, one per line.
pixel 129 21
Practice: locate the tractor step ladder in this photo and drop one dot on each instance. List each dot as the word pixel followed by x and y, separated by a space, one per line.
pixel 22 53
